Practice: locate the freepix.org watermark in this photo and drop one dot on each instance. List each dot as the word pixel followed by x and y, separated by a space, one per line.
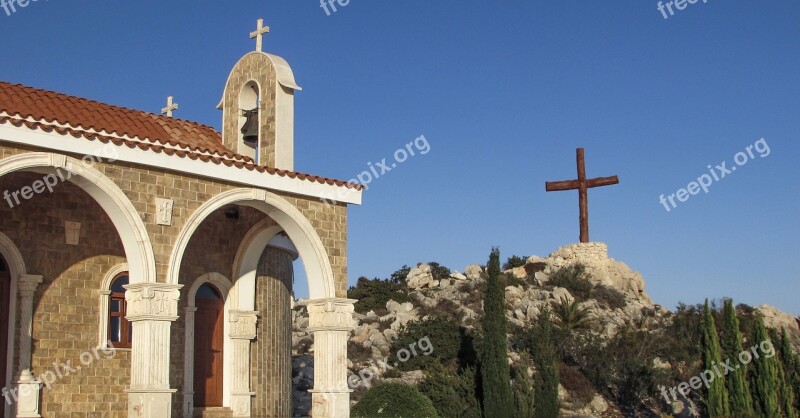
pixel 62 370
pixel 379 169
pixel 715 174
pixel 10 6
pixel 680 5
pixel 719 371
pixel 328 5
pixel 49 181
pixel 403 355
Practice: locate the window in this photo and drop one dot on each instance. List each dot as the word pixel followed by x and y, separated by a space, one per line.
pixel 120 331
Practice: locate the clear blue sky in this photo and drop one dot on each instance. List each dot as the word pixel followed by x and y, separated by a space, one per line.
pixel 504 95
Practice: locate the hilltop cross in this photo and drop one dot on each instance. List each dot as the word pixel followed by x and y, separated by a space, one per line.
pixel 170 107
pixel 258 35
pixel 582 184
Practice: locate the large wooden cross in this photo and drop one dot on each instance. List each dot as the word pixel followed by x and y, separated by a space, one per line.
pixel 258 35
pixel 582 184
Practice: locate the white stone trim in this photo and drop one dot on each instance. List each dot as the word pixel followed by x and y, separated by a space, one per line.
pixel 104 294
pixel 289 218
pixel 224 286
pixel 245 264
pixel 17 269
pixel 126 219
pixel 66 144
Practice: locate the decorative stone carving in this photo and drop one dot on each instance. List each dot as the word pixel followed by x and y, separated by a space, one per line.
pixel 164 211
pixel 73 232
pixel 330 315
pixel 243 324
pixel 152 301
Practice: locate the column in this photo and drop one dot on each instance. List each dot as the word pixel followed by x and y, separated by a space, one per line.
pixel 30 387
pixel 242 332
pixel 330 320
pixel 152 307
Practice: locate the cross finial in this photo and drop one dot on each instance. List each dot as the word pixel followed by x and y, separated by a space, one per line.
pixel 259 34
pixel 170 107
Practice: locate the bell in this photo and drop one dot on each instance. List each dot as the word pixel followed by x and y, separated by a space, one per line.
pixel 250 128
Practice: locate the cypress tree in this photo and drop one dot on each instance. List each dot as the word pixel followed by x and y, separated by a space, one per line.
pixel 717 393
pixel 545 392
pixel 495 374
pixel 788 376
pixel 523 395
pixel 741 404
pixel 763 375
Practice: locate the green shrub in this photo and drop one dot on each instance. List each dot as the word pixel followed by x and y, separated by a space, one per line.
pixel 394 400
pixel 443 334
pixel 609 297
pixel 513 262
pixel 575 279
pixel 439 271
pixel 399 276
pixel 372 295
pixel 452 394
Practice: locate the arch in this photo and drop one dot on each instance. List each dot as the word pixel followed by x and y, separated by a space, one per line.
pixel 245 265
pixel 126 219
pixel 17 269
pixel 289 218
pixel 105 292
pixel 224 286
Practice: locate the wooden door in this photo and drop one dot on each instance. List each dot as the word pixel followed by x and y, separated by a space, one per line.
pixel 5 299
pixel 208 344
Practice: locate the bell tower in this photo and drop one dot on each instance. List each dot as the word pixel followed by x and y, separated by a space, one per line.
pixel 258 107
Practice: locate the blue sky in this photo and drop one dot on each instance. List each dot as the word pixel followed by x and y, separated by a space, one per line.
pixel 504 95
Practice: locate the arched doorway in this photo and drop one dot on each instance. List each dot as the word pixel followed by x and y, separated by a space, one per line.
pixel 5 300
pixel 209 340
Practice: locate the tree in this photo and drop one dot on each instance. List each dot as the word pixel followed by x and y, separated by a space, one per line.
pixel 545 382
pixel 740 402
pixel 524 406
pixel 571 315
pixel 495 372
pixel 717 393
pixel 763 375
pixel 786 374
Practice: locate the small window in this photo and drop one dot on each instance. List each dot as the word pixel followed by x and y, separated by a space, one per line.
pixel 120 331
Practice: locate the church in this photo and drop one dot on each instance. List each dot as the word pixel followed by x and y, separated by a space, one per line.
pixel 146 262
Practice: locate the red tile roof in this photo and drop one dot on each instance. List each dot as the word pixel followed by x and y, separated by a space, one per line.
pixel 83 118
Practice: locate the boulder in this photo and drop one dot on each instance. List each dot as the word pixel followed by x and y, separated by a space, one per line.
pixel 420 277
pixel 474 272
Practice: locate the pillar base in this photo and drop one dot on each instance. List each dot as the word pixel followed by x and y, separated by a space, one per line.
pixel 330 404
pixel 29 391
pixel 150 403
pixel 241 404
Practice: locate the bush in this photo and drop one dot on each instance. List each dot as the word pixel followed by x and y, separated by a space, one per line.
pixel 372 295
pixel 444 335
pixel 399 276
pixel 609 297
pixel 575 279
pixel 394 400
pixel 452 394
pixel 576 383
pixel 439 271
pixel 513 262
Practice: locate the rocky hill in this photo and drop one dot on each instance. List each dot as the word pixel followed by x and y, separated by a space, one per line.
pixel 581 277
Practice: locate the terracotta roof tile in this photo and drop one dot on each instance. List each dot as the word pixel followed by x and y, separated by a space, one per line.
pixel 154 132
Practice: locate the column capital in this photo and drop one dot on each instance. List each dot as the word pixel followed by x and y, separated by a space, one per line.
pixel 243 324
pixel 330 314
pixel 28 284
pixel 152 301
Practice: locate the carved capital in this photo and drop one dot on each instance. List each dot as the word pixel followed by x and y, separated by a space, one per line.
pixel 243 324
pixel 152 301
pixel 27 285
pixel 332 314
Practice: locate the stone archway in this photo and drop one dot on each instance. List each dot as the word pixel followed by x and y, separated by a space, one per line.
pixel 126 219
